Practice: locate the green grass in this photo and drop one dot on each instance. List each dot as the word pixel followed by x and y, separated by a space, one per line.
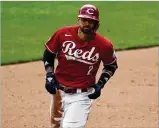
pixel 26 26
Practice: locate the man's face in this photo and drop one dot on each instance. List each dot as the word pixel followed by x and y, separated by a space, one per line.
pixel 86 25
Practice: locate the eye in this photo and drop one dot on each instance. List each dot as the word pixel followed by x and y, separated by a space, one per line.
pixel 91 21
pixel 83 19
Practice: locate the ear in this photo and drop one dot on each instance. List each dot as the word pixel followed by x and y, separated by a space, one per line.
pixel 96 26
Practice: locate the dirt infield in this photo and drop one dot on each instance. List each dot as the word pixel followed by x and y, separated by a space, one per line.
pixel 128 101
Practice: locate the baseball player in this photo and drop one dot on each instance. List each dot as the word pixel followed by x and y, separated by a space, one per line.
pixel 72 85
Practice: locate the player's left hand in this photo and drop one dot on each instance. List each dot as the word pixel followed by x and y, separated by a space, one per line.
pixel 97 91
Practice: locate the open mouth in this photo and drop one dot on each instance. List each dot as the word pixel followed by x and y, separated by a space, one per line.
pixel 86 28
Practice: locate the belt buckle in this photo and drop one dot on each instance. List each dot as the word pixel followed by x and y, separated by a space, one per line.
pixel 79 90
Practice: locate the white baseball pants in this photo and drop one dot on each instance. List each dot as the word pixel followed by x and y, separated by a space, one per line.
pixel 70 110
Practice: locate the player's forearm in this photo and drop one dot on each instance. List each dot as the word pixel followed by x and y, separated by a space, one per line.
pixel 107 73
pixel 48 59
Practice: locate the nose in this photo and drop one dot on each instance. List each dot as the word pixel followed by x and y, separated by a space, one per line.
pixel 86 22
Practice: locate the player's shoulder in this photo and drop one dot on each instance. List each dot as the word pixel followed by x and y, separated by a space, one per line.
pixel 66 29
pixel 104 41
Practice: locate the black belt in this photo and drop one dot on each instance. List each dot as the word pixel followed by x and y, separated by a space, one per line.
pixel 72 90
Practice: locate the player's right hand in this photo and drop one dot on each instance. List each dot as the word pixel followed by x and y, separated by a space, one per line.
pixel 51 83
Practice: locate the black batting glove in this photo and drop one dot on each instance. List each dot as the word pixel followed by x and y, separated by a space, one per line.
pixel 97 92
pixel 51 83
